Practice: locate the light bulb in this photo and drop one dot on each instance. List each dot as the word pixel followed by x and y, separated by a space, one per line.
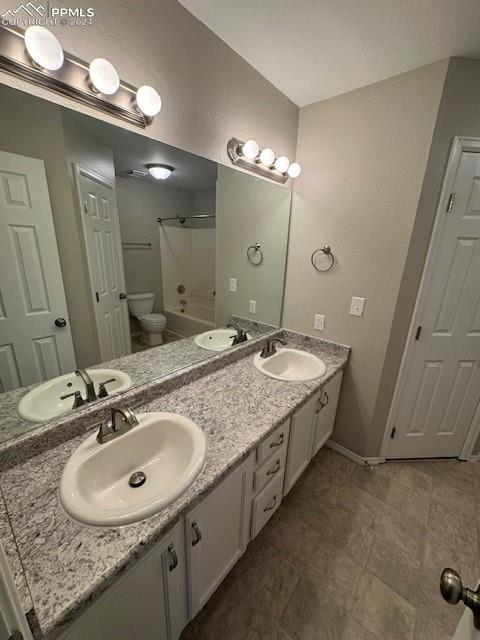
pixel 104 76
pixel 281 164
pixel 267 157
pixel 148 101
pixel 160 171
pixel 44 48
pixel 250 149
pixel 294 170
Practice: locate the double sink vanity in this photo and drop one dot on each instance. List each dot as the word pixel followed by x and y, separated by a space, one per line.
pixel 124 517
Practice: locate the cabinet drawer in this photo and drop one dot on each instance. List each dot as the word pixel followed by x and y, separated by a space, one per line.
pixel 274 442
pixel 270 469
pixel 266 503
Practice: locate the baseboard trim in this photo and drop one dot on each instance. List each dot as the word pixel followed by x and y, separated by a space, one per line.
pixel 352 455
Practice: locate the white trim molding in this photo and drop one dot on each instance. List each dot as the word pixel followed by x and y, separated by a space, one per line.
pixel 460 145
pixel 352 455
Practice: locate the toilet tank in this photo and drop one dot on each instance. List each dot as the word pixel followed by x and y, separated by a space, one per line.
pixel 140 304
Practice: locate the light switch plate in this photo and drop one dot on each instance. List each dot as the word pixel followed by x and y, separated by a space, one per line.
pixel 252 306
pixel 233 285
pixel 319 322
pixel 357 306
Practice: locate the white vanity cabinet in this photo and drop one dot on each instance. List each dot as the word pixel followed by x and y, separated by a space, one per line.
pixel 325 412
pixel 148 602
pixel 217 534
pixel 311 427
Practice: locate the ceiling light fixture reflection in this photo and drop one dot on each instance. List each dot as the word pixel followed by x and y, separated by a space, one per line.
pixel 44 48
pixel 160 171
pixel 104 77
pixel 148 101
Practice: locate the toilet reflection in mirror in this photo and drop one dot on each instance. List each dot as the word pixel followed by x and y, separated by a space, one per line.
pixel 103 260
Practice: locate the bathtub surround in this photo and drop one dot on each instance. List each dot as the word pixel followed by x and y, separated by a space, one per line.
pixel 101 555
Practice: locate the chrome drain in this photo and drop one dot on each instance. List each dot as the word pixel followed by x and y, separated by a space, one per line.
pixel 137 479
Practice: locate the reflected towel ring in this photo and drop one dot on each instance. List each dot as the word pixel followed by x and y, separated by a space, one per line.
pixel 327 251
pixel 256 257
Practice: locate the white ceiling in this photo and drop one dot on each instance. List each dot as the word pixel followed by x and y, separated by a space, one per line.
pixel 315 49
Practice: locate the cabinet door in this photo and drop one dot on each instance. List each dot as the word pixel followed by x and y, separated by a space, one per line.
pixel 325 412
pixel 300 442
pixel 175 571
pixel 134 607
pixel 217 534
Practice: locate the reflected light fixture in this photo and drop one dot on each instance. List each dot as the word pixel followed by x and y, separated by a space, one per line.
pixel 250 149
pixel 104 77
pixel 267 157
pixel 43 48
pixel 281 164
pixel 294 170
pixel 160 171
pixel 148 101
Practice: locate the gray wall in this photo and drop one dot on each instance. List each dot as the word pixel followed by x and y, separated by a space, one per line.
pixel 364 156
pixel 250 210
pixel 458 115
pixel 209 92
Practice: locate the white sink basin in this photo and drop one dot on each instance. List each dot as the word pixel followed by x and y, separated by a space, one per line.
pixel 95 489
pixel 217 340
pixel 43 402
pixel 291 365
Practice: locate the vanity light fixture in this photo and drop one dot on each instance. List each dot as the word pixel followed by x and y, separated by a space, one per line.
pixel 43 48
pixel 160 171
pixel 148 101
pixel 36 56
pixel 103 76
pixel 263 162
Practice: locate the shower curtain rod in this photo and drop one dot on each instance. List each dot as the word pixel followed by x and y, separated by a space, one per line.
pixel 183 218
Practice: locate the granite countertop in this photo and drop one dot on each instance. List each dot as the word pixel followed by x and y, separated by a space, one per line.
pixel 142 367
pixel 67 564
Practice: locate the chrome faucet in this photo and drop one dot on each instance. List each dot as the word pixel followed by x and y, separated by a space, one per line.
pixel 269 349
pixel 241 335
pixel 123 420
pixel 88 382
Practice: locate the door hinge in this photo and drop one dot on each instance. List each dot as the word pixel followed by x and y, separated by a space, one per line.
pixel 85 208
pixel 394 430
pixel 450 202
pixel 419 331
pixel 97 296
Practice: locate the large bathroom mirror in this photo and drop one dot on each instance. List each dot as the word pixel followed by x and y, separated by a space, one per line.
pixel 121 256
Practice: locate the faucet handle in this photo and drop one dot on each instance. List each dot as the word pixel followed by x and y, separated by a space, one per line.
pixel 102 392
pixel 78 400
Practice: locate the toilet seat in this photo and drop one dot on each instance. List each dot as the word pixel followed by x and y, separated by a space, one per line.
pixel 153 317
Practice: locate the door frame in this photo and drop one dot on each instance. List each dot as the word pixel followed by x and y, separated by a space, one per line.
pixel 460 144
pixel 80 170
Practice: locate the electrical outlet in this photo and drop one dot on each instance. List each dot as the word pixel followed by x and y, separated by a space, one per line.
pixel 252 306
pixel 319 322
pixel 357 306
pixel 233 285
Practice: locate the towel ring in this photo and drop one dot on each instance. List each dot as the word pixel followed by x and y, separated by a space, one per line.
pixel 256 252
pixel 327 251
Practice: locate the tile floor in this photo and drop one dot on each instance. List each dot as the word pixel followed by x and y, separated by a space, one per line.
pixel 354 553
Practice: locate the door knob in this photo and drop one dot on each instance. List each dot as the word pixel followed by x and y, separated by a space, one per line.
pixel 61 322
pixel 453 591
pixel 122 296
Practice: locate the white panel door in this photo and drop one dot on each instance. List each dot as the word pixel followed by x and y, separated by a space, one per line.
pixel 32 347
pixel 441 382
pixel 105 263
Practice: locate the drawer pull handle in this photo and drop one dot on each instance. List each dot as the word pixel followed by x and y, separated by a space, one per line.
pixel 276 469
pixel 272 506
pixel 174 558
pixel 319 405
pixel 326 399
pixel 277 444
pixel 198 533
